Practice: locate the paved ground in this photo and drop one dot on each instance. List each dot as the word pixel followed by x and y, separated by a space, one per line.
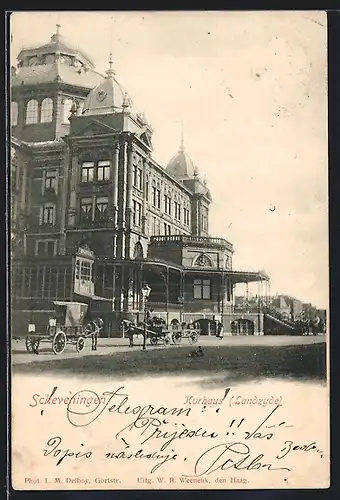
pixel 108 347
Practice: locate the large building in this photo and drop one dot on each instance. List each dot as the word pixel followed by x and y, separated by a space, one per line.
pixel 94 216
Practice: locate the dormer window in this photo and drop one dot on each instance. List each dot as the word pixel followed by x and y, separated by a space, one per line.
pixel 66 60
pixel 33 61
pixel 32 111
pixel 46 110
pixel 49 59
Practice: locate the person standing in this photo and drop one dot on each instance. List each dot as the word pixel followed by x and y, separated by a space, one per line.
pixel 219 330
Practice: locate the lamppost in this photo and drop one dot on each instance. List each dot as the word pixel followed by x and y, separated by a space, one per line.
pixel 181 303
pixel 145 292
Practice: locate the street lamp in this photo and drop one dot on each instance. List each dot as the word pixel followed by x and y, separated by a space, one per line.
pixel 181 303
pixel 145 292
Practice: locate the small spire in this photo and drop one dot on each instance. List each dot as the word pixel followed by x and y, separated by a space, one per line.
pixel 127 101
pixel 57 38
pixel 181 148
pixel 110 72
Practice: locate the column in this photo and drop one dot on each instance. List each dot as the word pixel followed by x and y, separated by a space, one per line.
pixel 167 296
pixel 73 186
pixel 144 198
pixel 63 218
pixel 115 158
pixel 258 307
pixel 128 210
pixel 121 199
pixel 223 294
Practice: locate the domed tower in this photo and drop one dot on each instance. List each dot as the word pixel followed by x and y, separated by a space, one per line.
pixel 46 83
pixel 181 165
pixel 108 144
pixel 183 169
pixel 107 97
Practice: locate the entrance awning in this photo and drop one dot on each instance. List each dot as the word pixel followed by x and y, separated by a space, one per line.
pixel 247 276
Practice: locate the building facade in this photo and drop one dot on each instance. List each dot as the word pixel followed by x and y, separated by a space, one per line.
pixel 94 216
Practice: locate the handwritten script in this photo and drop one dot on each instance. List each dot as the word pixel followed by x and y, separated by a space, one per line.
pixel 153 434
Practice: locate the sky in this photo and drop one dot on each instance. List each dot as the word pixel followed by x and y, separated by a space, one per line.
pixel 250 91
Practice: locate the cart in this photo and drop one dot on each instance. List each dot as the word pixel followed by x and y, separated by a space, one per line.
pixel 189 331
pixel 155 330
pixel 66 327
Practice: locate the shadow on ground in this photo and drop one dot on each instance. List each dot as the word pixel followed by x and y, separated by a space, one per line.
pixel 220 363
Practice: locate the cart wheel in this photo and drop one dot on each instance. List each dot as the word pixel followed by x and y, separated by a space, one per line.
pixel 193 338
pixel 59 342
pixel 80 344
pixel 29 344
pixel 167 340
pixel 177 337
pixel 35 346
pixel 153 340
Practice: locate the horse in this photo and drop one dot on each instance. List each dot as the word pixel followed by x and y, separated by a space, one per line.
pixel 92 330
pixel 130 330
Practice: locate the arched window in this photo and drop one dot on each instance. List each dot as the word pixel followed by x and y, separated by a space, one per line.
pixel 66 110
pixel 46 110
pixel 32 111
pixel 138 251
pixel 203 260
pixel 14 113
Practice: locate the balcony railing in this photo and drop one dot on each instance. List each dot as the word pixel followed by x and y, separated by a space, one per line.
pixel 192 240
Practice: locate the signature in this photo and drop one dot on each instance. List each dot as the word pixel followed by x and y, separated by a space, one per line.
pixel 231 456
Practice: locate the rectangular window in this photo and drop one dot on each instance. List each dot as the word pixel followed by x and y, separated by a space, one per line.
pixel 86 210
pixel 158 198
pixel 40 248
pixel 137 213
pixel 186 216
pixel 204 221
pixel 103 171
pixel 87 170
pixel 45 248
pixel 77 269
pixel 167 229
pixel 139 179
pixel 135 168
pixel 102 204
pixel 147 190
pixel 167 204
pixel 50 246
pixel 202 289
pixel 48 214
pixel 154 196
pixel 50 181
pixel 85 271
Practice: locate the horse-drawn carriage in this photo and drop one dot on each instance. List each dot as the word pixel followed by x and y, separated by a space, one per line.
pixel 157 332
pixel 68 326
pixel 189 331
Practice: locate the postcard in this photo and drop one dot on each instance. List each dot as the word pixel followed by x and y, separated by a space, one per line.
pixel 169 250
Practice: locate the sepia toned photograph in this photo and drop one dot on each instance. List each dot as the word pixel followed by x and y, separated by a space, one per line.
pixel 169 250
